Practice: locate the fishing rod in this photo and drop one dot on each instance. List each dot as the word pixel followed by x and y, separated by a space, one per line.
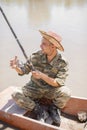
pixel 21 47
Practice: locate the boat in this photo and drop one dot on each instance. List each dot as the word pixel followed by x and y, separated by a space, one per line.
pixel 16 116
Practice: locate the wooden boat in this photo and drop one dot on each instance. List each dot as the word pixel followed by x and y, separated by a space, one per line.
pixel 12 114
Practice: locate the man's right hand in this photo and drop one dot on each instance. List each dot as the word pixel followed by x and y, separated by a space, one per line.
pixel 14 63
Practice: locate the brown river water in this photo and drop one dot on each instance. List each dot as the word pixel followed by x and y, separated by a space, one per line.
pixel 66 17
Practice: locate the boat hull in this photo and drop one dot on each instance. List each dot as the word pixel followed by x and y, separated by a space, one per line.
pixel 12 114
pixel 75 105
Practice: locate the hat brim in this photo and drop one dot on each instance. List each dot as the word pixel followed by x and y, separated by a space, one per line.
pixel 52 40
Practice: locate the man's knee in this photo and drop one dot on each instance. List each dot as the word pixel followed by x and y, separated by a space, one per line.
pixel 65 91
pixel 18 98
pixel 62 96
pixel 22 101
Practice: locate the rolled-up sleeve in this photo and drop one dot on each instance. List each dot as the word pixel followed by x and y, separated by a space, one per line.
pixel 62 73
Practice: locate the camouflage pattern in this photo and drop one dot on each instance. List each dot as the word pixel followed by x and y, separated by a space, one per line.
pixel 37 89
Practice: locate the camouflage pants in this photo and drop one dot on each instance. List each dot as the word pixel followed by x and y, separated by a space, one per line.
pixel 26 96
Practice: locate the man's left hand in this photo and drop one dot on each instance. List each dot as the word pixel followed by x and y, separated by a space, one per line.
pixel 36 74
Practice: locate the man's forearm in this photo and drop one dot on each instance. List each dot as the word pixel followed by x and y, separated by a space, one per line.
pixel 18 70
pixel 49 80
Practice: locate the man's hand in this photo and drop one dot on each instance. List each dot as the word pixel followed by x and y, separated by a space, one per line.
pixel 14 62
pixel 36 74
pixel 14 65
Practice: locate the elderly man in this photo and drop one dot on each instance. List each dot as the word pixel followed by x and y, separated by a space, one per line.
pixel 47 80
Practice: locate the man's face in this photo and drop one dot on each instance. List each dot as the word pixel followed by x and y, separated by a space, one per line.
pixel 46 46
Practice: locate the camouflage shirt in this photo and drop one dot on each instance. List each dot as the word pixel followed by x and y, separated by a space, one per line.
pixel 56 69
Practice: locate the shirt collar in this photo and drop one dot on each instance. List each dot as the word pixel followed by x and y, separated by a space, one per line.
pixel 58 56
pixel 44 58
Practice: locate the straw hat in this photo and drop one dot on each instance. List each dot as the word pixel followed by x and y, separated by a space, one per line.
pixel 53 38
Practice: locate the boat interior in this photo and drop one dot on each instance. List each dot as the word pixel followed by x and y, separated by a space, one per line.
pixel 12 114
